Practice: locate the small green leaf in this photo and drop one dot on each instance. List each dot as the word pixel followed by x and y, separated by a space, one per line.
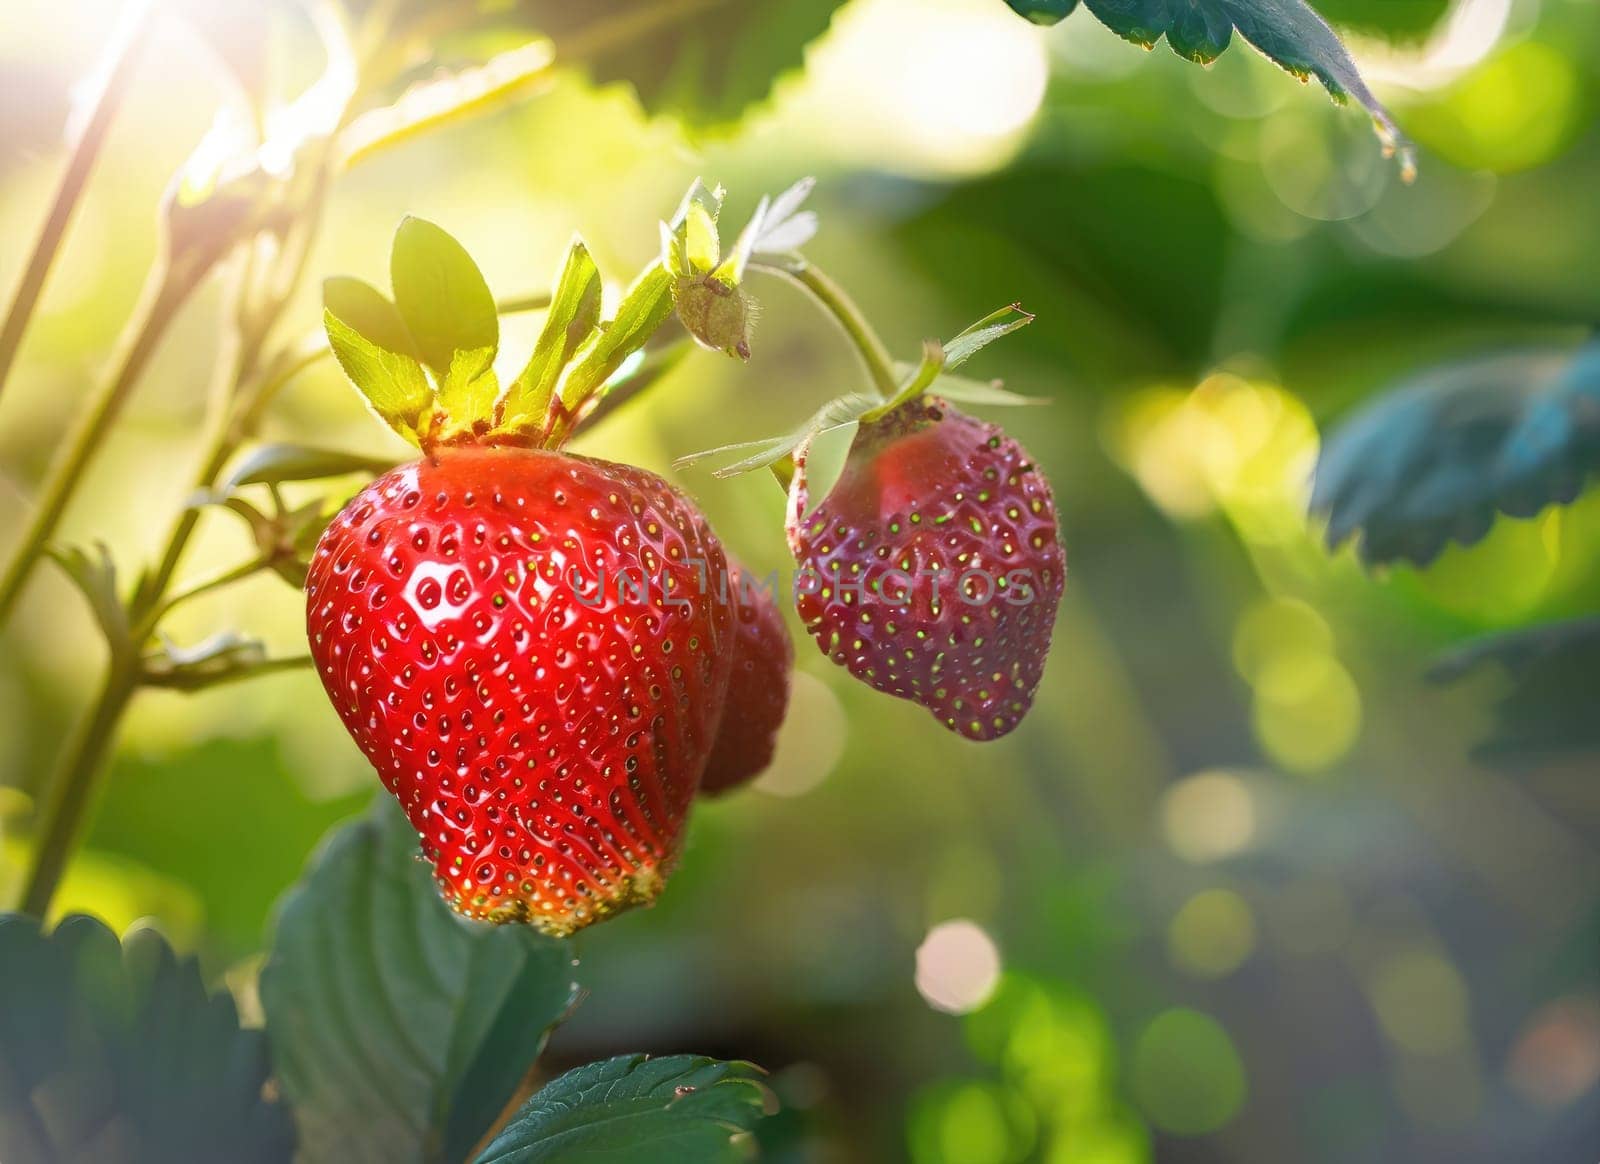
pixel 369 312
pixel 399 1031
pixel 96 577
pixel 116 1052
pixel 638 1110
pixel 925 373
pixel 442 297
pixel 468 391
pixel 573 316
pixel 983 333
pixel 273 464
pixel 394 385
pixel 644 308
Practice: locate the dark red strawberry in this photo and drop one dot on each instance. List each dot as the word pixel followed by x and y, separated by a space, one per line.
pixel 758 692
pixel 525 646
pixel 933 568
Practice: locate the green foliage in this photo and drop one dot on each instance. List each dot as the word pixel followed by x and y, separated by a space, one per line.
pixel 704 63
pixel 1287 32
pixel 637 1110
pixel 1401 19
pixel 273 464
pixel 400 1031
pixel 574 313
pixel 1548 707
pixel 115 1052
pixel 95 576
pixel 441 296
pixel 1434 459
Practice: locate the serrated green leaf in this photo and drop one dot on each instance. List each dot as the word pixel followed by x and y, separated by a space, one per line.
pixel 116 1052
pixel 273 464
pixel 399 1031
pixel 1432 460
pixel 394 385
pixel 443 298
pixel 704 64
pixel 1287 32
pixel 638 1110
pixel 574 313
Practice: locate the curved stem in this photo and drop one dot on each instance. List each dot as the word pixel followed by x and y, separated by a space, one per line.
pixel 123 57
pixel 832 298
pixel 227 578
pixel 72 787
pixel 163 295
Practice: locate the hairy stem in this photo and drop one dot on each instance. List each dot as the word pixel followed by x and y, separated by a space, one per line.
pixel 123 56
pixel 164 294
pixel 72 786
pixel 832 299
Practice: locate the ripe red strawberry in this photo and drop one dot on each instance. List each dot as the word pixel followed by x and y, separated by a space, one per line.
pixel 477 622
pixel 933 568
pixel 758 692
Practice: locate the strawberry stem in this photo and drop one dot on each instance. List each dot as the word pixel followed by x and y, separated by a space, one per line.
pixel 832 299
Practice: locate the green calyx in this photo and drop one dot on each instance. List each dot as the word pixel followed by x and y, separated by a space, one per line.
pixel 424 359
pixel 828 437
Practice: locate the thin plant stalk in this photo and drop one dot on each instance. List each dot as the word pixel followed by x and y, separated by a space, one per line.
pixel 123 58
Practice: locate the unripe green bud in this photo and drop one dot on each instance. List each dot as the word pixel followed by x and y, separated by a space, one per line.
pixel 717 315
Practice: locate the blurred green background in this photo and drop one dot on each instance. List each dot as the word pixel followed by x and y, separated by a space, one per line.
pixel 1238 889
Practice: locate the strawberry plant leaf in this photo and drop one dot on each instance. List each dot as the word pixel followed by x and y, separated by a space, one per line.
pixel 115 1051
pixel 468 391
pixel 1552 671
pixel 705 63
pixel 574 313
pixel 1287 32
pixel 400 1031
pixel 273 464
pixel 370 313
pixel 392 383
pixel 636 1110
pixel 1434 459
pixel 443 299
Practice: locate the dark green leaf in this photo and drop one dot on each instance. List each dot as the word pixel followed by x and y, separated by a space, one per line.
pixel 637 1110
pixel 574 313
pixel 115 1052
pixel 1288 32
pixel 704 63
pixel 1553 672
pixel 442 297
pixel 1433 460
pixel 272 464
pixel 399 1030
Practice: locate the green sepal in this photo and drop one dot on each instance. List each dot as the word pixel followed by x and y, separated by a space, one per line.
pixel 644 308
pixel 573 315
pixel 467 394
pixel 763 454
pixel 983 333
pixel 444 301
pixel 393 384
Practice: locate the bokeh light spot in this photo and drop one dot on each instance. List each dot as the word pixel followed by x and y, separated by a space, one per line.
pixel 1208 817
pixel 1187 1076
pixel 958 966
pixel 1556 1058
pixel 1213 934
pixel 1421 1002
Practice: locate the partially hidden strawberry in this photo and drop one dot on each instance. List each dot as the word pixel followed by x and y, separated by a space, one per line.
pixel 523 644
pixel 758 692
pixel 933 568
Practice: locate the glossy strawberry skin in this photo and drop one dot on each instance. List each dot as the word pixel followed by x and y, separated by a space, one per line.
pixel 758 692
pixel 545 733
pixel 933 569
